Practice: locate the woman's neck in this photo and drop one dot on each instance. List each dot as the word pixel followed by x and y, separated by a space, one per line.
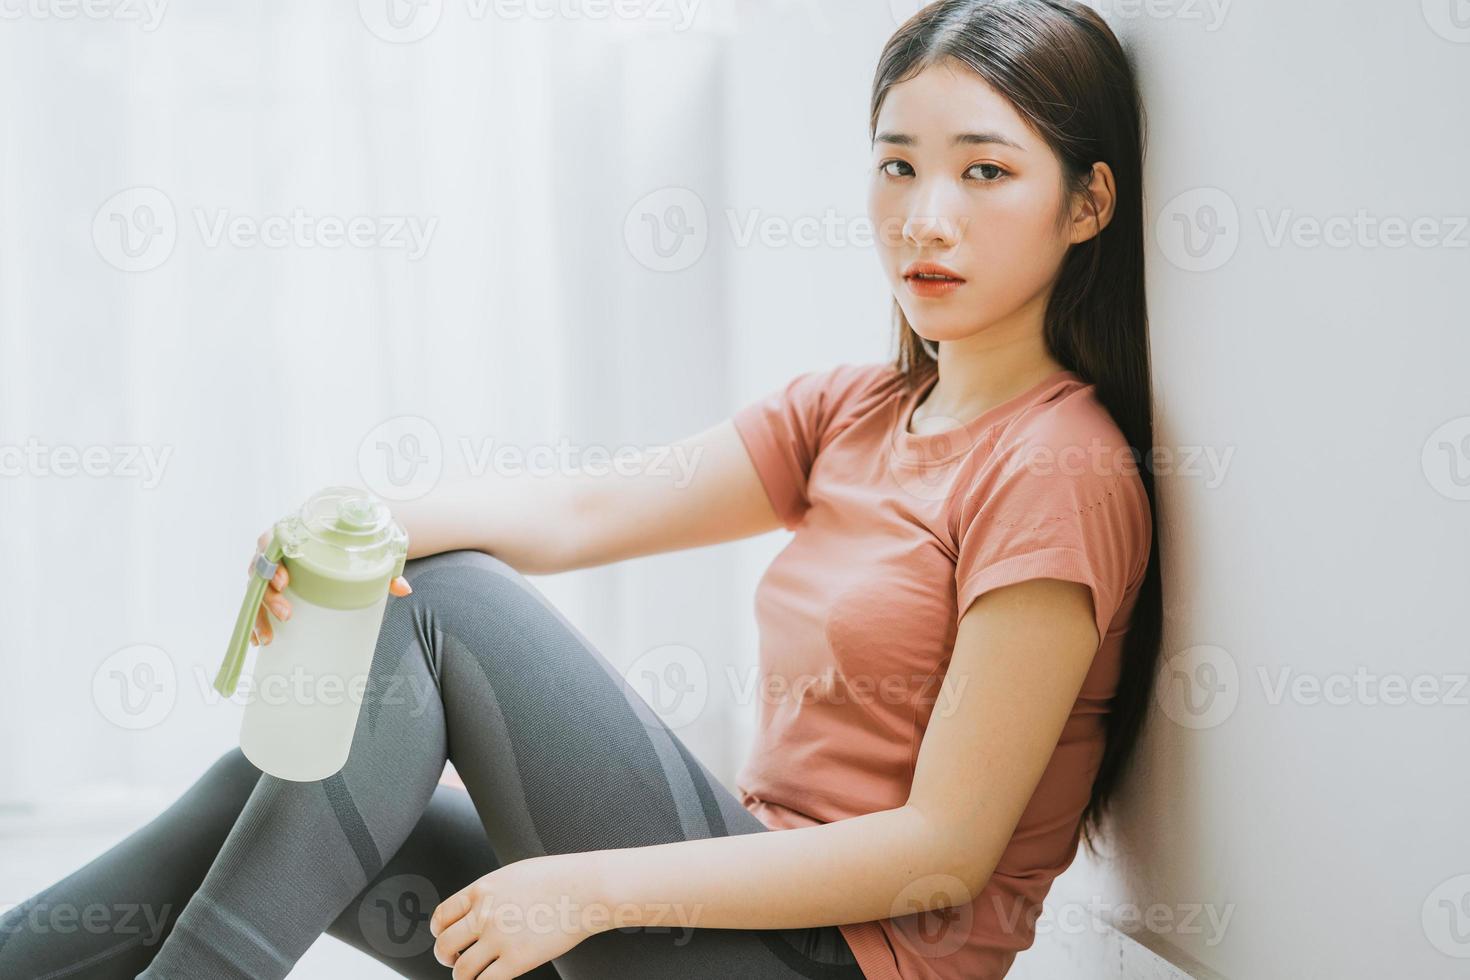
pixel 976 374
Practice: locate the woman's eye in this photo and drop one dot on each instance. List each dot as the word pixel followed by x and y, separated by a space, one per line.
pixel 989 173
pixel 990 169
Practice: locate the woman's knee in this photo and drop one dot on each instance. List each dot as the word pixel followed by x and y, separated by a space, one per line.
pixel 467 577
pixel 466 560
pixel 484 603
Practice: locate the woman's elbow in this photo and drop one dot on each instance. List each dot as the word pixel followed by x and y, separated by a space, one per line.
pixel 957 855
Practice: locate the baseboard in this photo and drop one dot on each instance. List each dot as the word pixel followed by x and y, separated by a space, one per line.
pixel 1150 952
pixel 1105 952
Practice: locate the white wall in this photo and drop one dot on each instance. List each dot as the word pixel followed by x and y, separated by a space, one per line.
pixel 1324 828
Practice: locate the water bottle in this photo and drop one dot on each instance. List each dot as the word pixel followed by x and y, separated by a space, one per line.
pixel 341 550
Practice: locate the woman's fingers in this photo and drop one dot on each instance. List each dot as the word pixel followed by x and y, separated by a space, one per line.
pixel 277 604
pixel 474 961
pixel 273 600
pixel 400 586
pixel 263 632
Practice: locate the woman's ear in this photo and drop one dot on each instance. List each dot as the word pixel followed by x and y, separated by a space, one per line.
pixel 1093 207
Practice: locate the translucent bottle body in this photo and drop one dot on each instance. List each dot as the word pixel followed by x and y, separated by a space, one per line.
pixel 307 688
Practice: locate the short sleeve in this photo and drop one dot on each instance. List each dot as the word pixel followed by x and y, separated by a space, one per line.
pixel 1038 513
pixel 784 430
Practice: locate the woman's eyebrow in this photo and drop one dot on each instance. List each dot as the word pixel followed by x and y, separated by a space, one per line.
pixel 965 139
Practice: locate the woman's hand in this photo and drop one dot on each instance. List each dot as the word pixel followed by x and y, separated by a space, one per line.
pixel 278 604
pixel 518 917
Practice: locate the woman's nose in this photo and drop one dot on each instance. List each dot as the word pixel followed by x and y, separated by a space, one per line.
pixel 932 221
pixel 931 231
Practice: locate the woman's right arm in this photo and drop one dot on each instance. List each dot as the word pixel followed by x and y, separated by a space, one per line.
pixel 701 490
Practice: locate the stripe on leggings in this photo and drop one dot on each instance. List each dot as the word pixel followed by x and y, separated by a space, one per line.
pixel 352 825
pixel 800 963
pixel 707 801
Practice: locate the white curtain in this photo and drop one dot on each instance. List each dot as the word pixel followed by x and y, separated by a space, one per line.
pixel 237 241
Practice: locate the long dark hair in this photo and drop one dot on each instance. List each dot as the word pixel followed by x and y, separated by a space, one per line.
pixel 1065 72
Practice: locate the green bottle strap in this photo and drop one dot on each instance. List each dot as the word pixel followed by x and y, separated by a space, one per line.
pixel 228 677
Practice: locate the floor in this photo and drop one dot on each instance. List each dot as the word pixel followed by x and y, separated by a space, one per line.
pixel 41 848
pixel 32 858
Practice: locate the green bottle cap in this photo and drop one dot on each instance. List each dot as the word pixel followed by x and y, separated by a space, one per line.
pixel 342 548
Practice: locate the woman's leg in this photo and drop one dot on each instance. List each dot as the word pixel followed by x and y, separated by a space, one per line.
pixel 132 892
pixel 558 755
pixel 106 920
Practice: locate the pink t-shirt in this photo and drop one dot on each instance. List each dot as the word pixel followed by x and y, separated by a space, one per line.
pixel 895 535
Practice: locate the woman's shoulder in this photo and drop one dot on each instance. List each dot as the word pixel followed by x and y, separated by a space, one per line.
pixel 1069 436
pixel 842 392
pixel 1062 467
pixel 1070 418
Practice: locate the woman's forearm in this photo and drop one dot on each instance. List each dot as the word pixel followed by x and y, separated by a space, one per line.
pixel 873 866
pixel 699 491
pixel 524 521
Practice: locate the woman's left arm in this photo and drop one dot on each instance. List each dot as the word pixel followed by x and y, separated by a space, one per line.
pixel 1020 656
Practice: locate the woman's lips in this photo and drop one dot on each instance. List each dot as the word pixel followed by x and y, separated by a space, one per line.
pixel 930 288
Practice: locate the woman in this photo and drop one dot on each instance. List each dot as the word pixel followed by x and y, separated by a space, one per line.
pixel 956 645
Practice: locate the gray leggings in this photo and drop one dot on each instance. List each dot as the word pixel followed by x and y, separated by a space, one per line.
pixel 241 874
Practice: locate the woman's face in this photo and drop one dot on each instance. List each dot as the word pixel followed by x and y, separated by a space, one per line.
pixel 960 180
